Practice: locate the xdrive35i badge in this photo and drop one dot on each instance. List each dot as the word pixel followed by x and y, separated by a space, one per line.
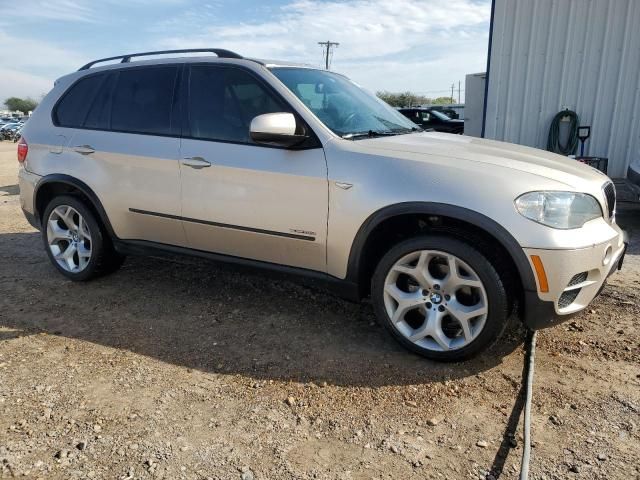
pixel 302 232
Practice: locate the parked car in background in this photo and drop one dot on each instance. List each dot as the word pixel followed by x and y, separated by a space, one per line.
pixel 17 134
pixel 301 171
pixel 431 118
pixel 10 131
pixel 454 110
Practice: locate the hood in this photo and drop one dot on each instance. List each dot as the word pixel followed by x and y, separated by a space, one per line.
pixel 507 155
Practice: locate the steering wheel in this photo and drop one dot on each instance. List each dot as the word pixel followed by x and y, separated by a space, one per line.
pixel 349 120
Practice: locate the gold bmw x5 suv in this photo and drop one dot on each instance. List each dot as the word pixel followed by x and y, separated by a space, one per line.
pixel 301 171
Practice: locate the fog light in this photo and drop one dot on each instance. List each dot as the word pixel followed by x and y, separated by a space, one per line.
pixel 607 256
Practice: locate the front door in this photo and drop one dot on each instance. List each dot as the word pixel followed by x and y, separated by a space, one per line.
pixel 240 198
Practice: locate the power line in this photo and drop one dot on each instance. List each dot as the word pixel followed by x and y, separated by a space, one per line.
pixel 434 91
pixel 328 47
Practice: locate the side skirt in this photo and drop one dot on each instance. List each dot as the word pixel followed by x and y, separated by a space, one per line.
pixel 342 288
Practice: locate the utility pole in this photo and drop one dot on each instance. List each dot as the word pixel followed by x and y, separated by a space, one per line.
pixel 453 85
pixel 458 92
pixel 327 46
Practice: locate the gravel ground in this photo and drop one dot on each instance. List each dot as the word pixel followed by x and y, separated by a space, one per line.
pixel 176 368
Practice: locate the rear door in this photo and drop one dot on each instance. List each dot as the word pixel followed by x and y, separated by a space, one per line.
pixel 241 198
pixel 127 151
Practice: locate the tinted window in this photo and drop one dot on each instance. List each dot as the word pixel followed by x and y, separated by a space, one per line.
pixel 100 110
pixel 143 99
pixel 72 109
pixel 223 101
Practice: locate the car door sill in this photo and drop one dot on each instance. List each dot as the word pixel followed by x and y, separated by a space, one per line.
pixel 341 287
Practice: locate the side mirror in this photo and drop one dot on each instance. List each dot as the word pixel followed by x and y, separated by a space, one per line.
pixel 277 129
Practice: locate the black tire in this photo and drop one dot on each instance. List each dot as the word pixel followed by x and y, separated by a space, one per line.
pixel 104 259
pixel 497 298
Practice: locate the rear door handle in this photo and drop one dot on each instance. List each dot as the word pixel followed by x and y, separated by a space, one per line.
pixel 195 162
pixel 83 149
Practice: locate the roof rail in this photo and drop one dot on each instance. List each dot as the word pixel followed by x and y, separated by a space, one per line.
pixel 220 52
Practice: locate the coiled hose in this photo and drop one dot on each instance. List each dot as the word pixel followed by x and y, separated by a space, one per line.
pixel 553 143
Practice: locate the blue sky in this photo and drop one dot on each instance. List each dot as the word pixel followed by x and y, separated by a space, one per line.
pixel 398 45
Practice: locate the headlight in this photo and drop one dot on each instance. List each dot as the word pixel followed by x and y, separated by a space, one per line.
pixel 559 209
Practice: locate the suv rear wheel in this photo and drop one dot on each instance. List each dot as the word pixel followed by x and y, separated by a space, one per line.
pixel 440 297
pixel 75 242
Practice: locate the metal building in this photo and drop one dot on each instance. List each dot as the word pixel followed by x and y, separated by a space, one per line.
pixel 548 55
pixel 474 89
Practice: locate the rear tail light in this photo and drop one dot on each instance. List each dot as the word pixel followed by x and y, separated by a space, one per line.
pixel 23 149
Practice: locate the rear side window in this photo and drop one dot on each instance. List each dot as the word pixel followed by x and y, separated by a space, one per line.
pixel 72 109
pixel 99 113
pixel 143 99
pixel 223 101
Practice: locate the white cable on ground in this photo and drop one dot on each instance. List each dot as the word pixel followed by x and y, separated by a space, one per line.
pixel 526 451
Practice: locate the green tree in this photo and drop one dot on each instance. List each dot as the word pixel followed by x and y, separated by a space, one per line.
pixel 24 105
pixel 442 101
pixel 404 99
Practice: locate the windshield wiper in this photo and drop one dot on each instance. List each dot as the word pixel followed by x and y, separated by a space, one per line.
pixel 381 133
pixel 402 131
pixel 368 134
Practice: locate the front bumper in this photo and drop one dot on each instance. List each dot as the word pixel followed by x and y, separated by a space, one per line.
pixel 574 278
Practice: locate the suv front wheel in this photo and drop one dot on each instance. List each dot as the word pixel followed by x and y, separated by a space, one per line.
pixel 440 297
pixel 75 242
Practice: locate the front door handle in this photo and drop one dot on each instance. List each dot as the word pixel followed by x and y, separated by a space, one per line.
pixel 196 162
pixel 83 149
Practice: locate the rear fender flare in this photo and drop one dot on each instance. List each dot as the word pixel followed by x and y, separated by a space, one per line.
pixel 81 187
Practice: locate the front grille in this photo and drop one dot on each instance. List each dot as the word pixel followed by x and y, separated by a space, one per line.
pixel 579 278
pixel 610 194
pixel 568 297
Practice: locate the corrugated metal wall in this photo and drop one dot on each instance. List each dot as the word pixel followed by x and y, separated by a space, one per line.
pixel 583 54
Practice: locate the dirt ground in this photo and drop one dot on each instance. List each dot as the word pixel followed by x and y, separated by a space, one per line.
pixel 177 368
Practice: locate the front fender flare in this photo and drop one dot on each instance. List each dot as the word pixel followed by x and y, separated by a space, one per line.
pixel 472 217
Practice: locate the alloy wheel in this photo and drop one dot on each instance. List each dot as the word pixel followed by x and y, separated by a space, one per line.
pixel 435 300
pixel 69 238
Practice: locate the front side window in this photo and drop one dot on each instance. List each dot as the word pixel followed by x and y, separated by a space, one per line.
pixel 344 107
pixel 223 101
pixel 143 99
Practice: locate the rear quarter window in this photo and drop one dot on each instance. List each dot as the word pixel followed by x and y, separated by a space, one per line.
pixel 72 109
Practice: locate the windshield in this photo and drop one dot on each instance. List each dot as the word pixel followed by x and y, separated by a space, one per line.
pixel 344 107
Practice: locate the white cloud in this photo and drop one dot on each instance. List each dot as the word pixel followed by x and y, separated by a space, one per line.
pixel 395 45
pixel 66 10
pixel 14 83
pixel 34 55
pixel 383 44
pixel 29 67
pixel 84 11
